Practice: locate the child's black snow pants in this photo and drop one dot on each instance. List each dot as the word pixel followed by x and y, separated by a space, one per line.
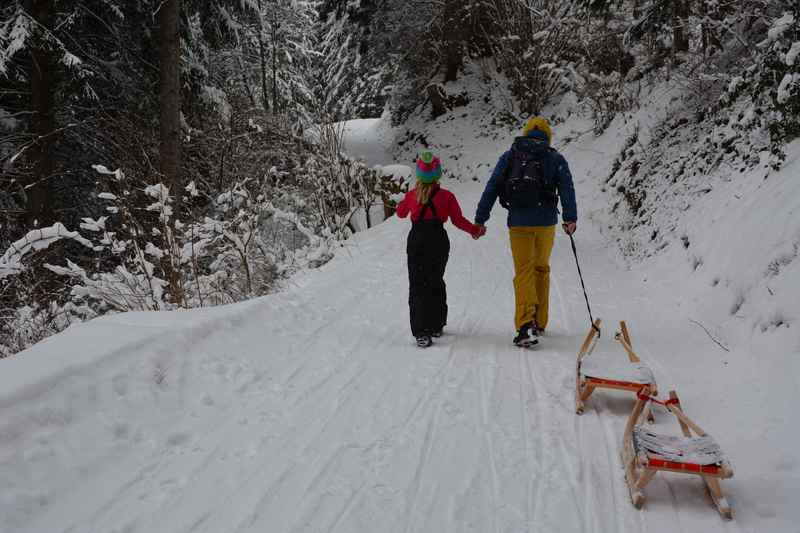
pixel 428 249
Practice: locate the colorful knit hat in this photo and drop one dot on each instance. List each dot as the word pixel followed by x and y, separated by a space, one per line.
pixel 429 168
pixel 538 124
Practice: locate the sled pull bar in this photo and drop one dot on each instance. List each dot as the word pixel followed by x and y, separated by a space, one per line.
pixel 624 338
pixel 595 330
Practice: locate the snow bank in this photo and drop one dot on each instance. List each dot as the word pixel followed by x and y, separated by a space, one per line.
pixel 359 221
pixel 403 172
pixel 103 340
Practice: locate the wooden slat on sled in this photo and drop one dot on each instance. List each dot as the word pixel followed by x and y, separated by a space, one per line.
pixel 645 453
pixel 602 371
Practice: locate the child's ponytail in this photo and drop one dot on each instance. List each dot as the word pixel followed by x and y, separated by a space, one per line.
pixel 429 170
pixel 424 192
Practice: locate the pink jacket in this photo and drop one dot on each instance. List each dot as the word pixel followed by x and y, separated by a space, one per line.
pixel 446 207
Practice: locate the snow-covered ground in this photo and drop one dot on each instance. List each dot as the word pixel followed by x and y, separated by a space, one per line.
pixel 311 410
pixel 368 139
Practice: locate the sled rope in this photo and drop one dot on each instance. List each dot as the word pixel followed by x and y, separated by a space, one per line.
pixel 648 398
pixel 583 286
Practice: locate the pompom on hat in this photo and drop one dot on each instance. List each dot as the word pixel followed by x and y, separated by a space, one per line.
pixel 429 168
pixel 538 124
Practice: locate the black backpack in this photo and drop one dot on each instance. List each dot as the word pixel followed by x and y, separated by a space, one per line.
pixel 528 179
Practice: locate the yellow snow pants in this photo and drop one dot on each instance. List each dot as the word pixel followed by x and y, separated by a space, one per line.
pixel 531 247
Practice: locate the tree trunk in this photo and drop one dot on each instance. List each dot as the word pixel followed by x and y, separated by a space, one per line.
pixel 170 122
pixel 680 25
pixel 262 54
pixel 39 209
pixel 243 75
pixel 170 96
pixel 456 32
pixel 275 26
pixel 438 99
pixel 709 39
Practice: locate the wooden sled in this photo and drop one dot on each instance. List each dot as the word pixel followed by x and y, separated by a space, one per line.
pixel 644 453
pixel 599 373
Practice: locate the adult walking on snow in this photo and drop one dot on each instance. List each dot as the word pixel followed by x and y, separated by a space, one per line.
pixel 529 178
pixel 428 248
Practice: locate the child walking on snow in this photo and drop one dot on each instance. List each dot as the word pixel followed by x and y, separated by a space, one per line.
pixel 428 248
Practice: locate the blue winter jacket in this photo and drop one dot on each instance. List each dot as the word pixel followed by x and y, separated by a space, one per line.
pixel 533 216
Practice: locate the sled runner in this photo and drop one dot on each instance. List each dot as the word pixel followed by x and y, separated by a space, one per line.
pixel 645 453
pixel 602 371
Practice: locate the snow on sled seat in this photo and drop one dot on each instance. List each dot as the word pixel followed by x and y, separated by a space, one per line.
pixel 645 453
pixel 601 366
pixel 700 454
pixel 603 371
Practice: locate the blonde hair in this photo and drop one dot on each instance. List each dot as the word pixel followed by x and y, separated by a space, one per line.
pixel 424 192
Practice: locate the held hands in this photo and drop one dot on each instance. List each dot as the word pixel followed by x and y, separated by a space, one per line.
pixel 481 232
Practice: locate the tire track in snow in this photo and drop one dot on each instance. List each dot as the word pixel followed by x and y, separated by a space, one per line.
pixel 484 397
pixel 313 491
pixel 428 395
pixel 564 314
pixel 413 494
pixel 347 370
pixel 346 508
pixel 315 335
pixel 561 439
pixel 526 442
pixel 586 470
pixel 320 387
pixel 440 392
pixel 608 452
pixel 535 480
pixel 271 491
pixel 554 441
pixel 292 450
pixel 489 443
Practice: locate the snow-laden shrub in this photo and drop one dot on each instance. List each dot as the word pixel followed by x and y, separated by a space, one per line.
pixel 24 326
pixel 354 76
pixel 534 49
pixel 762 102
pixel 342 186
pixel 606 96
pixel 152 248
pixel 34 304
pixel 781 61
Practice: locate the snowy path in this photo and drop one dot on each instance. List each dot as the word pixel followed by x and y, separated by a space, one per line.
pixel 311 410
pixel 367 139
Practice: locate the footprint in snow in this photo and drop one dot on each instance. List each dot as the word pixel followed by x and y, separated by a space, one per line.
pixel 120 384
pixel 178 439
pixel 122 430
pixel 765 511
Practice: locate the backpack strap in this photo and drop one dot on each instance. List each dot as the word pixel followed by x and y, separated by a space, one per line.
pixel 428 204
pixel 503 178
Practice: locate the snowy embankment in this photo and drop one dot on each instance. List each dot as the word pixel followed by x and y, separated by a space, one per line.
pixel 310 410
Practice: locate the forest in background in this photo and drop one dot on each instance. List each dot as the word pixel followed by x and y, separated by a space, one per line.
pixel 166 154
